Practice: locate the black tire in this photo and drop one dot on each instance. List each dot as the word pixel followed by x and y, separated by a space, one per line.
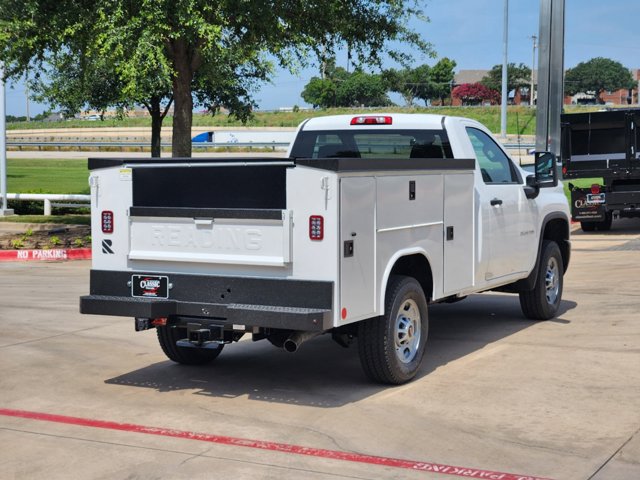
pixel 588 226
pixel 543 301
pixel 168 336
pixel 391 346
pixel 603 226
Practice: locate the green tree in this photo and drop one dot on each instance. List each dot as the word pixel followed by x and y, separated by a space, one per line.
pixel 320 92
pixel 180 39
pixel 441 75
pixel 343 89
pixel 597 75
pixel 518 76
pixel 410 83
pixel 362 89
pixel 75 82
pixel 423 82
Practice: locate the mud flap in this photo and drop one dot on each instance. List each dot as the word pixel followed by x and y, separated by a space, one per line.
pixel 587 207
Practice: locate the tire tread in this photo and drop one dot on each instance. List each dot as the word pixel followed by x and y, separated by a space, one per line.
pixel 375 346
pixel 533 302
pixel 168 336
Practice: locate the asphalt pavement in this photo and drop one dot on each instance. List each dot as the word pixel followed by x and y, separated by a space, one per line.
pixel 498 397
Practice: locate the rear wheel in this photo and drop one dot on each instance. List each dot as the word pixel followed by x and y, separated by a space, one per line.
pixel 588 226
pixel 543 301
pixel 168 336
pixel 603 226
pixel 391 346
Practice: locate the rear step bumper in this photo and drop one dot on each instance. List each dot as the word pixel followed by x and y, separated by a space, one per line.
pixel 259 302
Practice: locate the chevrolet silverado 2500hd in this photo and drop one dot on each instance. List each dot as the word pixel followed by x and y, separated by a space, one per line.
pixel 368 220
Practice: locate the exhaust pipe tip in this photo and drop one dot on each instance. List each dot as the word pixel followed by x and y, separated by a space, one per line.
pixel 293 342
pixel 290 345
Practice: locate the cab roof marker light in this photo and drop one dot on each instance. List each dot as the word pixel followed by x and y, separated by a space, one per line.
pixel 372 120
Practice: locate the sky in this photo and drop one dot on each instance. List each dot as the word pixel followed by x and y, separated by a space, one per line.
pixel 471 33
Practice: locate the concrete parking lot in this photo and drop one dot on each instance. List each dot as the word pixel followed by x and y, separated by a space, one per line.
pixel 500 397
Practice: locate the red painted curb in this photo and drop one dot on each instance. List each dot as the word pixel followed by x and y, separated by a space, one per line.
pixel 271 446
pixel 52 255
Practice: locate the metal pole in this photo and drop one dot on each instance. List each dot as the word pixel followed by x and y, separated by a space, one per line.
pixel 3 149
pixel 550 75
pixel 26 86
pixel 556 86
pixel 533 70
pixel 505 41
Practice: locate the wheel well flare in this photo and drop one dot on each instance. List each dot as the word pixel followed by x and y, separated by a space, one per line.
pixel 416 266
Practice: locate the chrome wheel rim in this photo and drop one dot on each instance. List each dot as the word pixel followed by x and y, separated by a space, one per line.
pixel 552 281
pixel 407 331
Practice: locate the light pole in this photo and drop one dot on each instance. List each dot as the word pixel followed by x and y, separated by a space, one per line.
pixel 26 86
pixel 3 149
pixel 533 69
pixel 505 41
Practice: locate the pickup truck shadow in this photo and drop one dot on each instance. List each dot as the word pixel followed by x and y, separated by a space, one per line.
pixel 323 374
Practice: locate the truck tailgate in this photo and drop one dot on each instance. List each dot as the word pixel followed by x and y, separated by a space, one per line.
pixel 222 236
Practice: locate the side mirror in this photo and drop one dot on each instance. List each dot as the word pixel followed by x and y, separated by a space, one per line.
pixel 531 189
pixel 546 171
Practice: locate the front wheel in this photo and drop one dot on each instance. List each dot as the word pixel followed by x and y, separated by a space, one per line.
pixel 543 301
pixel 168 336
pixel 391 346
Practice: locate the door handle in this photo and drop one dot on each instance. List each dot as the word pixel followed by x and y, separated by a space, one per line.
pixel 496 201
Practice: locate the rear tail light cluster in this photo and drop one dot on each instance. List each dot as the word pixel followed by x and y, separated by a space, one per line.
pixel 316 227
pixel 107 221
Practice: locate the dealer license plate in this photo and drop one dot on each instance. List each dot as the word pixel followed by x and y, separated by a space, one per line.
pixel 149 286
pixel 595 199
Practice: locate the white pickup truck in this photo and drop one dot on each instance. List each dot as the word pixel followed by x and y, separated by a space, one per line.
pixel 368 220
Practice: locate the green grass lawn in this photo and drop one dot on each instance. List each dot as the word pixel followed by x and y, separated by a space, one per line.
pixel 41 175
pixel 520 119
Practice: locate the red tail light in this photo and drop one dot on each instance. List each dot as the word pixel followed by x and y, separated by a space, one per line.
pixel 372 120
pixel 107 221
pixel 316 227
pixel 564 170
pixel 595 189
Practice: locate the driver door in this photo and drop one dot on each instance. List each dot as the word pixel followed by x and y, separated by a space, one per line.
pixel 508 229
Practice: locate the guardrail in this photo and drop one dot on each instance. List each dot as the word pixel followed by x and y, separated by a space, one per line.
pixel 142 145
pixel 48 198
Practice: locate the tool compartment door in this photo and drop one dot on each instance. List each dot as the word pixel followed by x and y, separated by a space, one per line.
pixel 357 248
pixel 459 230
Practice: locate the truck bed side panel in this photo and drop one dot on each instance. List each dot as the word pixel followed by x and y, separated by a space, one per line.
pixel 357 238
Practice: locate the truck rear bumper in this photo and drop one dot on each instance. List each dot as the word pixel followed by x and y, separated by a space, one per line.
pixel 257 302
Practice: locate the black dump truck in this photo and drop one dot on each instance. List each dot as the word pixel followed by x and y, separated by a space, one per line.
pixel 602 145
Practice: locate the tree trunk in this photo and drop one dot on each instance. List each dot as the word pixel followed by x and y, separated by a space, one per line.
pixel 183 101
pixel 156 127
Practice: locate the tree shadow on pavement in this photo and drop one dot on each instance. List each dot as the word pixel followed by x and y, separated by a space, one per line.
pixel 325 375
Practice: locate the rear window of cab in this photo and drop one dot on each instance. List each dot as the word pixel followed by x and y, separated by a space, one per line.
pixel 372 143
